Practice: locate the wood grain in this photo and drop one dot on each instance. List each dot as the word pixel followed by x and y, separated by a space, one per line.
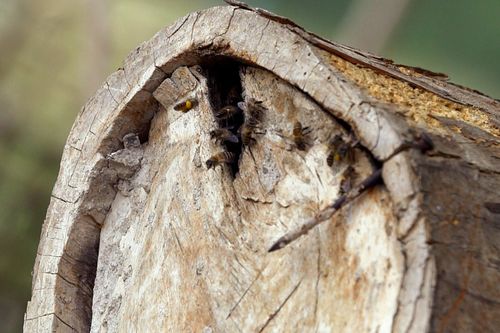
pixel 148 239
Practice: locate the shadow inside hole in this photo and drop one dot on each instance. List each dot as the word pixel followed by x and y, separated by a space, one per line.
pixel 224 88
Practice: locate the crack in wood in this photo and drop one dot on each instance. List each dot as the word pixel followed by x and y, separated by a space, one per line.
pixel 224 236
pixel 179 27
pixel 420 292
pixel 76 148
pixel 197 14
pixel 177 239
pixel 396 314
pixel 62 321
pixel 243 295
pixel 275 313
pixel 74 284
pixel 262 32
pixel 311 71
pixel 50 314
pixel 63 200
pixel 318 277
pixel 228 24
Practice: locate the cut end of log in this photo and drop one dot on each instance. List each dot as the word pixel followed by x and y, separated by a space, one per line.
pixel 138 227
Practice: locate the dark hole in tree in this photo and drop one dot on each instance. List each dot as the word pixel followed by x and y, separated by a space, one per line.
pixel 224 86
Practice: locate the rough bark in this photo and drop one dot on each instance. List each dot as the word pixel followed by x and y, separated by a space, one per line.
pixel 146 238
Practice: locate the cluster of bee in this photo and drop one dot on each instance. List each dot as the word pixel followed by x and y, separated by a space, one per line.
pixel 239 124
pixel 233 136
pixel 339 151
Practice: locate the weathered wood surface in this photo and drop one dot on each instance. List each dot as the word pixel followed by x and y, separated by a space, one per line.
pixel 173 246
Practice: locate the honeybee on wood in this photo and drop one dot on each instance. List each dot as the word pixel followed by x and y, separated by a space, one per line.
pixel 254 113
pixel 186 105
pixel 219 159
pixel 223 135
pixel 248 129
pixel 254 109
pixel 333 147
pixel 246 133
pixel 339 151
pixel 299 134
pixel 347 179
pixel 227 112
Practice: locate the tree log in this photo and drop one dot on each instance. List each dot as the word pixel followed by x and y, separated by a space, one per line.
pixel 142 235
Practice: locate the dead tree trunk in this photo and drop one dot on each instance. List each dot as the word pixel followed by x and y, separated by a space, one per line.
pixel 142 236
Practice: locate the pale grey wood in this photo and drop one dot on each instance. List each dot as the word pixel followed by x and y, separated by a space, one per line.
pixel 177 247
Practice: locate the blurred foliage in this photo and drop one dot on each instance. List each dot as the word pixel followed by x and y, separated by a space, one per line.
pixel 48 69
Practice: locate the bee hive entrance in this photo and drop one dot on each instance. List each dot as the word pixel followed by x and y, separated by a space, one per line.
pixel 224 90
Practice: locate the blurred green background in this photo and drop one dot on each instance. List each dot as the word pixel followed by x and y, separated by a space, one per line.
pixel 54 55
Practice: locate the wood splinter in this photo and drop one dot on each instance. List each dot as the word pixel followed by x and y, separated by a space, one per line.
pixel 328 212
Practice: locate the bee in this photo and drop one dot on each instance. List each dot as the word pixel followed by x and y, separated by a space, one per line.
pixel 299 134
pixel 246 133
pixel 347 179
pixel 223 135
pixel 339 151
pixel 227 112
pixel 248 129
pixel 333 147
pixel 254 113
pixel 186 105
pixel 220 158
pixel 254 108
